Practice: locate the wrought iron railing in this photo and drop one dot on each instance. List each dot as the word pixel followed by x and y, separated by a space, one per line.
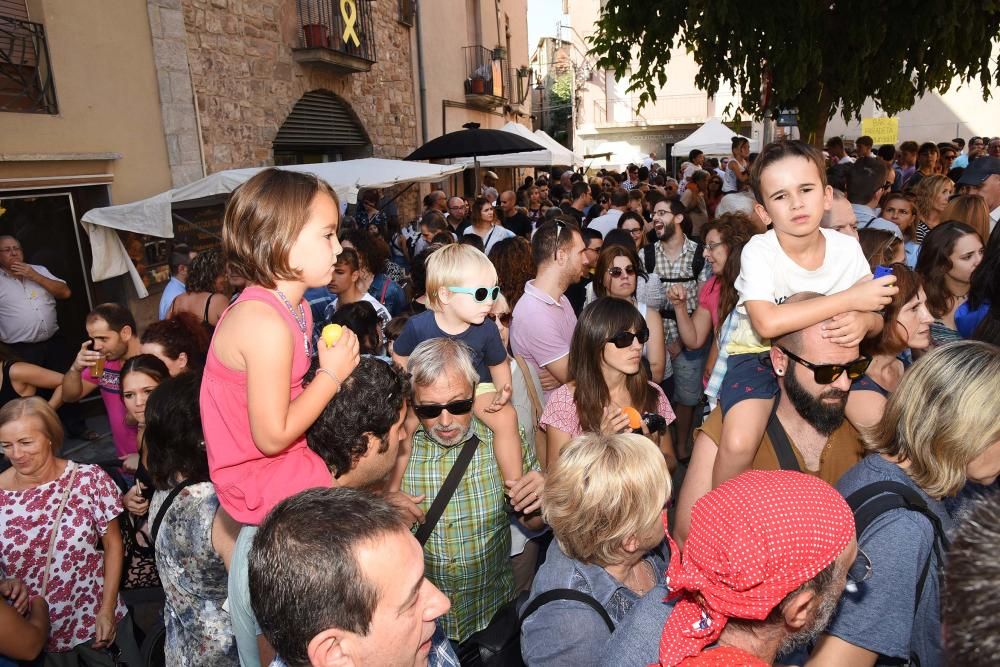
pixel 26 84
pixel 484 73
pixel 346 26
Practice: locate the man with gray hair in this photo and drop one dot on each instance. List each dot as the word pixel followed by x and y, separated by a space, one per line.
pixel 466 553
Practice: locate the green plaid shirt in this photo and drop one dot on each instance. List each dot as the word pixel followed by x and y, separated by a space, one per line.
pixel 468 554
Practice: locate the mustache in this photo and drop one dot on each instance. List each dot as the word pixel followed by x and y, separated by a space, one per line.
pixel 838 394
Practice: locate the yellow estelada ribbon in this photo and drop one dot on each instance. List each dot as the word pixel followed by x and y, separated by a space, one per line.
pixel 349 11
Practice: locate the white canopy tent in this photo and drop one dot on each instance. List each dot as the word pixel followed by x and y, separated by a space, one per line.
pixel 712 138
pixel 153 216
pixel 554 153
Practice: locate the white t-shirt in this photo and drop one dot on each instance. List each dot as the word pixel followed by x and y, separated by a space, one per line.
pixel 768 274
pixel 494 236
pixel 605 223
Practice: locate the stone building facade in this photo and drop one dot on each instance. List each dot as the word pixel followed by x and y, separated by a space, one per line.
pixel 228 81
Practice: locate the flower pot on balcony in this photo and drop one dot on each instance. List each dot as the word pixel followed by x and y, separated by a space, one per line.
pixel 316 36
pixel 478 86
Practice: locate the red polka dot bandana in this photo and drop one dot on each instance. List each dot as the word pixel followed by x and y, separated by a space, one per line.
pixel 753 540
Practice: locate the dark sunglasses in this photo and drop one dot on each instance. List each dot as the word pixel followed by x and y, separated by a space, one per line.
pixel 616 271
pixel 480 294
pixel 625 338
pixel 433 410
pixel 828 373
pixel 503 319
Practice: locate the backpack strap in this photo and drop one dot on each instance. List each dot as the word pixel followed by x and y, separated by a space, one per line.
pixel 443 497
pixel 167 502
pixel 568 594
pixel 698 263
pixel 649 257
pixel 872 500
pixel 385 288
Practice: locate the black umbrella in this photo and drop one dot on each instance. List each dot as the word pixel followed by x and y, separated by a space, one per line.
pixel 473 142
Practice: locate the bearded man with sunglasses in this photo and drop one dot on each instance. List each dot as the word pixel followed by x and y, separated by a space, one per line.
pixel 467 553
pixel 807 432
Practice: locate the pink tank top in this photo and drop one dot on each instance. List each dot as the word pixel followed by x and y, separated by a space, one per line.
pixel 249 483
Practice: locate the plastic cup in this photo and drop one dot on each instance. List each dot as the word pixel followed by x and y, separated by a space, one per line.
pixel 99 367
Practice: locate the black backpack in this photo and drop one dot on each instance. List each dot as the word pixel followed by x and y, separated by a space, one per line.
pixel 872 500
pixel 499 644
pixel 697 264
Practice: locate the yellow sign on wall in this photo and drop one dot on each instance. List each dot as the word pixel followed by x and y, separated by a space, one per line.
pixel 881 130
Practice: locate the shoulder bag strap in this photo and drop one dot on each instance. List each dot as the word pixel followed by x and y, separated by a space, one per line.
pixel 568 594
pixel 447 490
pixel 779 441
pixel 536 403
pixel 385 289
pixel 55 526
pixel 163 510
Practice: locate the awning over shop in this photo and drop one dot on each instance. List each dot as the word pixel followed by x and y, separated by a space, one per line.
pixel 152 216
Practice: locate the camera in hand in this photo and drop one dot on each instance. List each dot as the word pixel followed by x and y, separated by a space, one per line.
pixel 654 423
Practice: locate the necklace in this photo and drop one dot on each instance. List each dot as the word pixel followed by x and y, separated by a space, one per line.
pixel 300 318
pixel 640 587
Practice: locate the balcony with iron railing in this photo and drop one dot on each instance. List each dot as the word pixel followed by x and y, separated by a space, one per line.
pixel 337 34
pixel 487 77
pixel 26 84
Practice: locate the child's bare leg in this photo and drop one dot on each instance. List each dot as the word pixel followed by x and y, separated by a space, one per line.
pixel 506 436
pixel 403 455
pixel 742 430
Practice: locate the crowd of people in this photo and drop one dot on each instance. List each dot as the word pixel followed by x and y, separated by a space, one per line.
pixel 743 414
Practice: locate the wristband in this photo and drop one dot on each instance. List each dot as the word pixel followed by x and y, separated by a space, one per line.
pixel 333 376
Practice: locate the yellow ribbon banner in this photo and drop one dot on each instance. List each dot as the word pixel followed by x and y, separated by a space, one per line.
pixel 881 130
pixel 349 12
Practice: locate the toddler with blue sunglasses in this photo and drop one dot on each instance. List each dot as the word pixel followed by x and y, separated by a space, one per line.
pixel 461 289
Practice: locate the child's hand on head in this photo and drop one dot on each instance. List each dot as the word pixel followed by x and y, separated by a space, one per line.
pixel 846 329
pixel 343 357
pixel 873 294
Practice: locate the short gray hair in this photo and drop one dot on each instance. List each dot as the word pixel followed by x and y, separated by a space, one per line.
pixel 735 202
pixel 435 357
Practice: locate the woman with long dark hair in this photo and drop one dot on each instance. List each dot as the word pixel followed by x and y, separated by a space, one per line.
pixel 977 318
pixel 606 377
pixel 484 224
pixel 178 341
pixel 907 327
pixel 195 536
pixel 949 256
pixel 617 272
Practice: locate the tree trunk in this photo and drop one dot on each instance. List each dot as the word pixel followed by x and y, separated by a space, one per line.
pixel 814 107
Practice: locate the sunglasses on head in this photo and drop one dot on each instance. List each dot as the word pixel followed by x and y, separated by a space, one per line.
pixel 624 339
pixel 433 410
pixel 502 318
pixel 480 294
pixel 616 271
pixel 828 373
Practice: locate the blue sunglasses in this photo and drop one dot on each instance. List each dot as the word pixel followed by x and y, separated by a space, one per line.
pixel 480 294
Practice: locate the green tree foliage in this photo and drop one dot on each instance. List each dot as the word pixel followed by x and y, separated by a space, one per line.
pixel 561 99
pixel 819 54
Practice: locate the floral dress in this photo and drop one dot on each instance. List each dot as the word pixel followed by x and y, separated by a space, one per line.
pixel 76 576
pixel 194 578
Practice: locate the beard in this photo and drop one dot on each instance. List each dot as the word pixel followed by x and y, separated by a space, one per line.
pixel 668 232
pixel 807 635
pixel 821 415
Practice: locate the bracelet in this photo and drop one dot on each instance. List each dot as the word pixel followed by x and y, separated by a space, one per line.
pixel 333 376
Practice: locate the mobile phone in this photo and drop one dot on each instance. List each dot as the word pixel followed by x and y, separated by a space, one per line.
pixel 883 271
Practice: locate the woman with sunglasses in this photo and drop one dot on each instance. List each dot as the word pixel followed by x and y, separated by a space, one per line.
pixel 713 194
pixel 936 434
pixel 907 327
pixel 617 272
pixel 607 375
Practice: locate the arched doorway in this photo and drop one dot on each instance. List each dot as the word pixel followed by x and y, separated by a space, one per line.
pixel 321 127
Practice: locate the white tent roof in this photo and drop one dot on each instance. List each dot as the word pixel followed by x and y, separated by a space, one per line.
pixel 554 153
pixel 622 153
pixel 712 138
pixel 152 216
